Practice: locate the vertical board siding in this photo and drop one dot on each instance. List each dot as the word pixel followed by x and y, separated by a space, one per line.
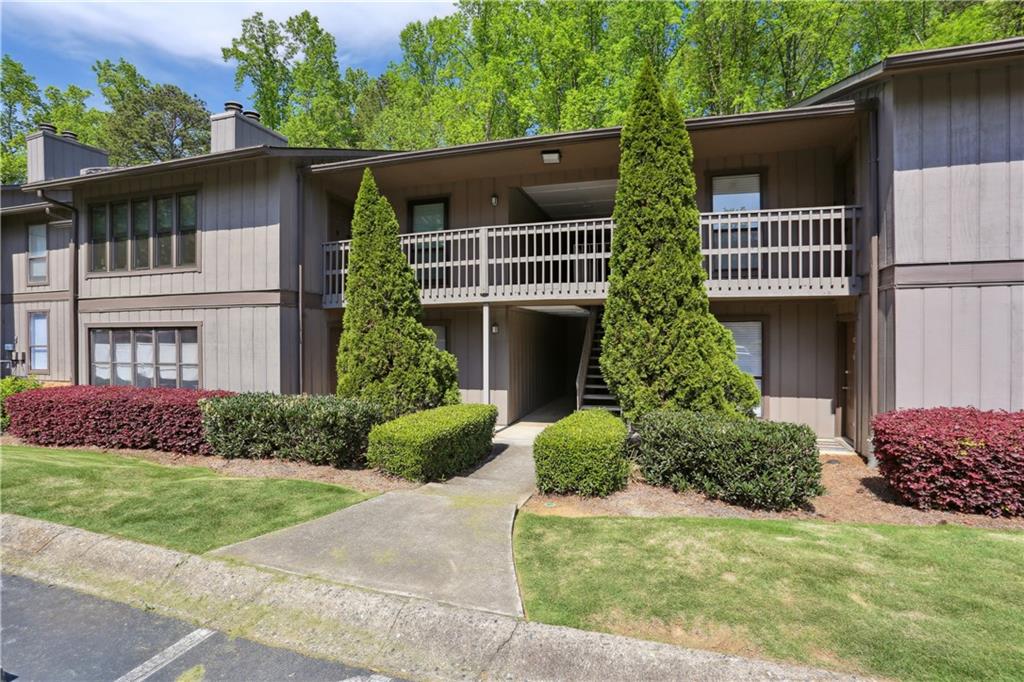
pixel 959 165
pixel 14 256
pixel 959 346
pixel 539 365
pixel 59 336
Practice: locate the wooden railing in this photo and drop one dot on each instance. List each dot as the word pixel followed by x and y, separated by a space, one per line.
pixel 808 252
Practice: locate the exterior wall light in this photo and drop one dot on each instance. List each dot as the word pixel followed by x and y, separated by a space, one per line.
pixel 494 199
pixel 551 156
pixel 494 328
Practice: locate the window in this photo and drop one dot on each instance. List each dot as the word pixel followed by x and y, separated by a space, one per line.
pixel 440 335
pixel 38 266
pixel 38 342
pixel 734 193
pixel 749 350
pixel 144 233
pixel 163 357
pixel 428 216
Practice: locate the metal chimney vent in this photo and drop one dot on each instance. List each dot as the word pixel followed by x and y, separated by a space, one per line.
pixel 48 127
pixel 67 134
pixel 231 105
pixel 254 115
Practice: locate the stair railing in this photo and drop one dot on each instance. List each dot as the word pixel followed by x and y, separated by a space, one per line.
pixel 588 341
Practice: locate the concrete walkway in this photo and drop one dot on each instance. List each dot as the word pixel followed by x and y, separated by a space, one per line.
pixel 449 542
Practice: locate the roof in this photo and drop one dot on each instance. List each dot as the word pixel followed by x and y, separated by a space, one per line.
pixel 197 160
pixel 997 49
pixel 554 139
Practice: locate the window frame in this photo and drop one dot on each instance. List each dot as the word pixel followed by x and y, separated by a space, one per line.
pixel 426 201
pixel 176 234
pixel 154 328
pixel 45 314
pixel 45 257
pixel 760 171
pixel 763 321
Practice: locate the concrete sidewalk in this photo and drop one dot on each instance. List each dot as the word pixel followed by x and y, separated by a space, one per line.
pixel 405 637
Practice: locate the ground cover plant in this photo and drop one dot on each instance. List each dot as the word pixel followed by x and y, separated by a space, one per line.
pixel 902 602
pixel 583 453
pixel 314 429
pixel 955 458
pixel 186 508
pixel 750 462
pixel 125 417
pixel 8 387
pixel 435 444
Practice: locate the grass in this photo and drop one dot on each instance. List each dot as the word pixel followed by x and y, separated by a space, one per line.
pixel 186 508
pixel 935 603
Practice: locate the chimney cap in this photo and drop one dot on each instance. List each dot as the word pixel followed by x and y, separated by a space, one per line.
pixel 232 105
pixel 70 135
pixel 254 115
pixel 48 127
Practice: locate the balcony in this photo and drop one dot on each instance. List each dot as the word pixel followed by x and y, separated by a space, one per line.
pixel 805 252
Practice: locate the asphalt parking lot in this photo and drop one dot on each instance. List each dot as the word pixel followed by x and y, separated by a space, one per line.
pixel 53 634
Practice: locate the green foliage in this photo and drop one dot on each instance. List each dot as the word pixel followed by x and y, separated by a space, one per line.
pixel 386 356
pixel 8 387
pixel 434 444
pixel 662 346
pixel 19 100
pixel 315 429
pixel 754 463
pixel 583 453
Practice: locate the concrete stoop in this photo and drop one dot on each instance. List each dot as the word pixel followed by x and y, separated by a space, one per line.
pixel 403 636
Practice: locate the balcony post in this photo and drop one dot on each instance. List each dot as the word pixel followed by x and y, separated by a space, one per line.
pixel 487 353
pixel 484 278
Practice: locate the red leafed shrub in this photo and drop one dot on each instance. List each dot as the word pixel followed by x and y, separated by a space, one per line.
pixel 111 417
pixel 956 458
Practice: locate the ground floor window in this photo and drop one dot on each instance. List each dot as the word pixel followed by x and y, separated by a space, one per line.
pixel 749 350
pixel 38 342
pixel 149 357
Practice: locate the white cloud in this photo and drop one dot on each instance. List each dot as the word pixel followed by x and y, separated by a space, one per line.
pixel 197 30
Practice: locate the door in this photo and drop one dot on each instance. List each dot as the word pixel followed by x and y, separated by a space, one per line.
pixel 847 397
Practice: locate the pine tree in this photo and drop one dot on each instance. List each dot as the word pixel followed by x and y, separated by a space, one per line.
pixel 386 355
pixel 662 346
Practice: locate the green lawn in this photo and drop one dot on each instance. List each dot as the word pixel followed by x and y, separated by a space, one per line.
pixel 187 508
pixel 936 603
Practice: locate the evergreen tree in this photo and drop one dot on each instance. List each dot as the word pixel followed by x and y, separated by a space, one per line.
pixel 386 355
pixel 662 346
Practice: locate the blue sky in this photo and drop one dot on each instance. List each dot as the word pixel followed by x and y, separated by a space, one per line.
pixel 179 42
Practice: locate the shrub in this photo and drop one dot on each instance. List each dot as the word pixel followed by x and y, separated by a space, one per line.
pixel 583 453
pixel 386 355
pixel 316 429
pixel 759 464
pixel 434 444
pixel 8 387
pixel 111 417
pixel 956 458
pixel 662 347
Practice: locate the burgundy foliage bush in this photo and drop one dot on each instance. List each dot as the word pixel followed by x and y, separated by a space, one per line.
pixel 955 458
pixel 111 417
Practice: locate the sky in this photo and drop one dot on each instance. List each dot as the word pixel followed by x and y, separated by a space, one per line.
pixel 179 42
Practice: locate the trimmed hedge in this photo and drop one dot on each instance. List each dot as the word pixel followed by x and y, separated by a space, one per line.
pixel 8 387
pixel 433 444
pixel 583 453
pixel 753 463
pixel 315 429
pixel 956 458
pixel 111 417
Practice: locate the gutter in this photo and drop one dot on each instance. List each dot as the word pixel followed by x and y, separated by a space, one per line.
pixel 73 282
pixel 299 201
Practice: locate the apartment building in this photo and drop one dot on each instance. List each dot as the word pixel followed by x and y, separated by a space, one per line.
pixel 866 248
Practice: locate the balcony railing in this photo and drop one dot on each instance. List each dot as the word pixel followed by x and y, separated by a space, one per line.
pixel 787 252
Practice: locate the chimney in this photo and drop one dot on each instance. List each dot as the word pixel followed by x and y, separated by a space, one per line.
pixel 53 156
pixel 235 129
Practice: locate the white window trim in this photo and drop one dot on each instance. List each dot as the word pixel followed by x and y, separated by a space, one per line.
pixel 32 345
pixel 44 257
pixel 133 329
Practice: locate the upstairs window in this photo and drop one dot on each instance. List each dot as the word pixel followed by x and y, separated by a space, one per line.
pixel 38 261
pixel 144 233
pixel 428 216
pixel 736 193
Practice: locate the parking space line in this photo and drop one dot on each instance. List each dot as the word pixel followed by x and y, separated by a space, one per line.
pixel 154 664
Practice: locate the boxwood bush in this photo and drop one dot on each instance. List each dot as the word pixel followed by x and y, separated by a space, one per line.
pixel 433 444
pixel 315 429
pixel 583 453
pixel 9 386
pixel 753 463
pixel 956 458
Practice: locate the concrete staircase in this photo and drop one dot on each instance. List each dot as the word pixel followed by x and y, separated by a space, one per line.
pixel 595 389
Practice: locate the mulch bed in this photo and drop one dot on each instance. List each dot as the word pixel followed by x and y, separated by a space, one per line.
pixel 855 493
pixel 363 480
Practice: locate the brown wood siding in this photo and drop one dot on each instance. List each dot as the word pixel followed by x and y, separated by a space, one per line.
pixel 795 178
pixel 538 360
pixel 58 334
pixel 14 255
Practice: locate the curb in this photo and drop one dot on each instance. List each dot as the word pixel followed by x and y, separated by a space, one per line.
pixel 407 637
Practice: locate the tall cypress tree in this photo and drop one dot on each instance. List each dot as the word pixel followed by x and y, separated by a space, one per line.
pixel 662 346
pixel 386 355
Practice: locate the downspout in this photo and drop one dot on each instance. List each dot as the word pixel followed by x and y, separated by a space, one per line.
pixel 299 216
pixel 873 292
pixel 73 281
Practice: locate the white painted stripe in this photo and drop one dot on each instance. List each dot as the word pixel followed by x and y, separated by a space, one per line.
pixel 154 664
pixel 369 678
